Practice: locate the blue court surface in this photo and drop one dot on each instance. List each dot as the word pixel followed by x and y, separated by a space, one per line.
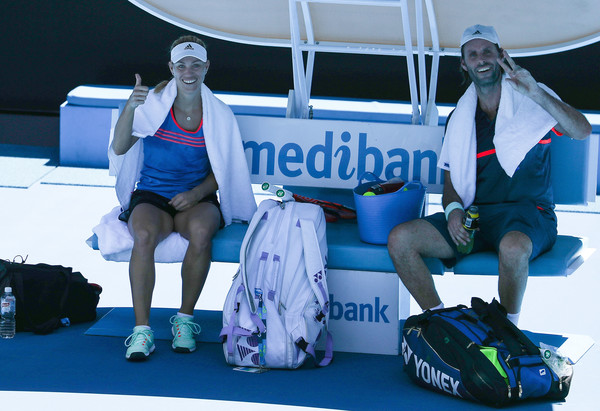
pixel 47 213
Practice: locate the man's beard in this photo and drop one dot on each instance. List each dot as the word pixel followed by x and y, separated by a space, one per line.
pixel 487 81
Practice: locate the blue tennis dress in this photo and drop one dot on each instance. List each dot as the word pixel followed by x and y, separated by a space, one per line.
pixel 175 160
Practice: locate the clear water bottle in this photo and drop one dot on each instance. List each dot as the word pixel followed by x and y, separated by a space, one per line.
pixel 470 223
pixel 559 364
pixel 8 305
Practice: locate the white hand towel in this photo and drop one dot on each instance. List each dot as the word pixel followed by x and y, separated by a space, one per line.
pixel 223 144
pixel 228 162
pixel 115 242
pixel 520 125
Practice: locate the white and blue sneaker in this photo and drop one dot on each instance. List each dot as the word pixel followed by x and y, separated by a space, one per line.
pixel 140 344
pixel 184 329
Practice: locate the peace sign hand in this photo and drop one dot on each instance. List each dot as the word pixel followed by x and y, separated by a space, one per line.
pixel 518 77
pixel 139 94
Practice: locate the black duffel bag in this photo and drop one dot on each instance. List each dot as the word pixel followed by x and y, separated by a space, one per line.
pixel 49 296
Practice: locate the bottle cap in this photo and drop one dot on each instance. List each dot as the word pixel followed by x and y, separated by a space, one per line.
pixel 8 289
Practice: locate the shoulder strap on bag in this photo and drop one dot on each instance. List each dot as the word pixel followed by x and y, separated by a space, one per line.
pixel 281 236
pixel 265 207
pixel 316 278
pixel 314 262
pixel 256 218
pixel 310 350
pixel 495 316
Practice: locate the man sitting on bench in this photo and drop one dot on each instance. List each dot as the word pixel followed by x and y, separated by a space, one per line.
pixel 496 155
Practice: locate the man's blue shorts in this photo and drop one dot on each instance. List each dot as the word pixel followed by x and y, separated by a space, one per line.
pixel 495 220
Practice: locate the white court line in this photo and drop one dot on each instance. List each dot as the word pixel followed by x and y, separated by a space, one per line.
pixel 53 401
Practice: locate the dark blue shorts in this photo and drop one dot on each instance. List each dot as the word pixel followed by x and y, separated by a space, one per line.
pixel 143 196
pixel 495 220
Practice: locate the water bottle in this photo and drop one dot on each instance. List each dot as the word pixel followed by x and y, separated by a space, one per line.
pixel 470 223
pixel 559 364
pixel 8 305
pixel 390 186
pixel 280 193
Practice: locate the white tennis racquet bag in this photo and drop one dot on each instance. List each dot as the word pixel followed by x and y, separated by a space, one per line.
pixel 278 305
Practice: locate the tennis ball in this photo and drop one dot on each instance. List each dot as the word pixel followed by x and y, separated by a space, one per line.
pixel 369 194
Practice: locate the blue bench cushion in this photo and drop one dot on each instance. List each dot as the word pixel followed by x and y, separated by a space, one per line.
pixel 564 258
pixel 228 242
pixel 347 252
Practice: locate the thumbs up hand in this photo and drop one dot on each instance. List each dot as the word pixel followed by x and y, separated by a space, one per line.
pixel 139 94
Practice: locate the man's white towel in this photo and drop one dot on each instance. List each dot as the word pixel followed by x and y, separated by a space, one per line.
pixel 520 125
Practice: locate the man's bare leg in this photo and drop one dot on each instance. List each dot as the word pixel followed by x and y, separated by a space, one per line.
pixel 408 244
pixel 513 268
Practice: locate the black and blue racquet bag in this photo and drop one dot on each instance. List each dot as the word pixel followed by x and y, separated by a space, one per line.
pixel 478 354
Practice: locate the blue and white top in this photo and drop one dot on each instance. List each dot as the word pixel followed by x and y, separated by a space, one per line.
pixel 175 160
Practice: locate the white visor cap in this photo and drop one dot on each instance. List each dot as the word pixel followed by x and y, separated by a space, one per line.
pixel 480 32
pixel 188 50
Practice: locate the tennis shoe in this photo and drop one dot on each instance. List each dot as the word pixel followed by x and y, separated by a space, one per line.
pixel 183 330
pixel 140 344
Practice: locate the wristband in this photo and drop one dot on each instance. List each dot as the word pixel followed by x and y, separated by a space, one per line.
pixel 451 207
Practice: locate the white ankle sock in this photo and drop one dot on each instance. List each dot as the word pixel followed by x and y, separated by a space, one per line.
pixel 514 318
pixel 437 307
pixel 180 314
pixel 144 327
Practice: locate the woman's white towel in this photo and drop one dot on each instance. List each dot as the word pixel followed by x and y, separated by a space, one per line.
pixel 115 242
pixel 223 144
pixel 226 154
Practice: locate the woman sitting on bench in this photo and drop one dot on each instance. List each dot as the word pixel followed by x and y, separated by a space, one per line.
pixel 173 148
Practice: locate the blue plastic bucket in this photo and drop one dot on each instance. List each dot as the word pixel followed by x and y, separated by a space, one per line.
pixel 377 215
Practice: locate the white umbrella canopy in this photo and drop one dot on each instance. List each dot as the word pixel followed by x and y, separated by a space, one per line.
pixel 525 28
pixel 384 27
